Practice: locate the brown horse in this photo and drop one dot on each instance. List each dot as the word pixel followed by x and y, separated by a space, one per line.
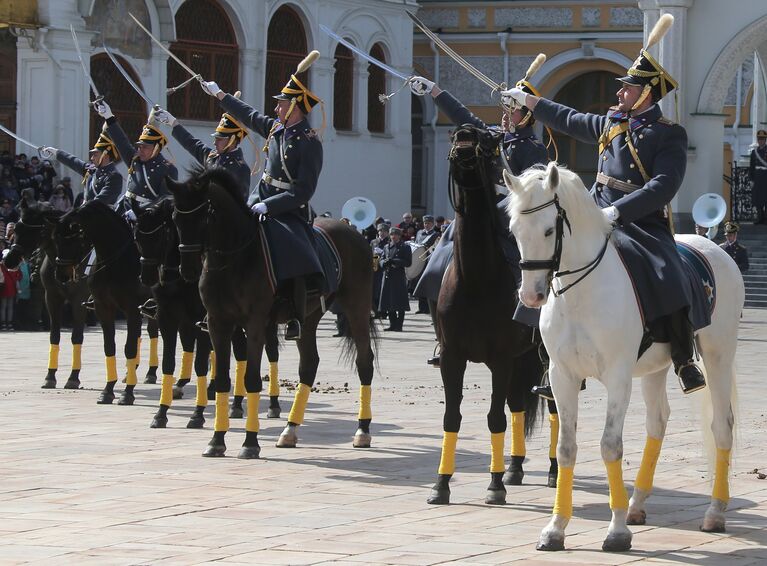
pixel 475 315
pixel 221 238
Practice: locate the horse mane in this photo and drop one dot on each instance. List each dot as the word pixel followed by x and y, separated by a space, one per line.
pixel 201 179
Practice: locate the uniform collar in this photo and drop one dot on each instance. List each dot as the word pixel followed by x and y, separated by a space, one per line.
pixel 636 121
pixel 518 134
pixel 296 128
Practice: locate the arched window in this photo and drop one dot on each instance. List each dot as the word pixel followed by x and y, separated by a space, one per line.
pixel 417 193
pixel 343 89
pixel 376 86
pixel 285 47
pixel 590 92
pixel 125 103
pixel 207 44
pixel 7 88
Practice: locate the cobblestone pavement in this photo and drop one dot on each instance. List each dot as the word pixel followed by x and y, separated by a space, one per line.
pixel 90 484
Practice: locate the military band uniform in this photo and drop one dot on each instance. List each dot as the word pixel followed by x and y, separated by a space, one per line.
pixel 394 296
pixel 233 160
pixel 104 183
pixel 738 253
pixel 757 173
pixel 146 179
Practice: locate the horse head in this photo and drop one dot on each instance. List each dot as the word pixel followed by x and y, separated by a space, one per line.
pixel 473 157
pixel 72 246
pixel 36 219
pixel 190 215
pixel 538 212
pixel 156 238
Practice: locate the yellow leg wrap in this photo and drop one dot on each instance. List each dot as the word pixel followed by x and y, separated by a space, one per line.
pixel 563 501
pixel 187 360
pixel 154 358
pixel 221 421
pixel 619 497
pixel 274 380
pixel 53 356
pixel 518 434
pixel 553 435
pixel 496 451
pixel 130 365
pixel 251 421
pixel 202 391
pixel 298 409
pixel 77 356
pixel 447 460
pixel 239 378
pixel 111 363
pixel 166 393
pixel 721 483
pixel 649 461
pixel 212 369
pixel 365 411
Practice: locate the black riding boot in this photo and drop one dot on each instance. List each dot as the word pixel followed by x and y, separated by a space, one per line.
pixel 293 328
pixel 682 350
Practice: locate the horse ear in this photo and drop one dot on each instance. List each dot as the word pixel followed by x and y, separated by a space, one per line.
pixel 552 176
pixel 512 183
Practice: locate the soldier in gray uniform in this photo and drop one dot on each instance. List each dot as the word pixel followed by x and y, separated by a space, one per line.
pixel 757 173
pixel 293 166
pixel 227 152
pixel 733 247
pixel 642 160
pixel 101 179
pixel 147 168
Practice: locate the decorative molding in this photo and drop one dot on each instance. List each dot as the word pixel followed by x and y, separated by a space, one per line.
pixel 626 17
pixel 533 17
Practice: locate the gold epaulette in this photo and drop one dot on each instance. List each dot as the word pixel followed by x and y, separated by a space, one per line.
pixel 664 120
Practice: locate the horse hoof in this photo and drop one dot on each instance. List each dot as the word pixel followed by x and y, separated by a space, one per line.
pixel 439 496
pixel 49 384
pixel 636 517
pixel 551 545
pixel 72 384
pixel 127 398
pixel 273 413
pixel 249 453
pixel 105 398
pixel 215 451
pixel 288 439
pixel 712 525
pixel 514 477
pixel 552 480
pixel 495 497
pixel 196 422
pixel 159 422
pixel 617 542
pixel 236 413
pixel 178 393
pixel 361 439
pixel 150 379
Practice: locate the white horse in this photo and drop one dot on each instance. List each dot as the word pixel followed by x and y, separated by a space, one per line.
pixel 595 329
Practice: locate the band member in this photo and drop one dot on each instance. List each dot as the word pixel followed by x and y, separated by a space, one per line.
pixel 757 173
pixel 733 247
pixel 294 163
pixel 101 179
pixel 642 160
pixel 394 296
pixel 147 167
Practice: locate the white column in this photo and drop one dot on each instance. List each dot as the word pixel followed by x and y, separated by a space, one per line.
pixel 651 15
pixel 672 55
pixel 756 101
pixel 360 121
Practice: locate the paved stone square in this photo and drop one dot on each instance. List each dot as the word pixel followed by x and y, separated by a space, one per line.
pixel 87 484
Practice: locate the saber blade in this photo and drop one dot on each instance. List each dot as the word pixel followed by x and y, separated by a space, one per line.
pixel 369 58
pixel 18 138
pixel 161 46
pixel 82 62
pixel 127 77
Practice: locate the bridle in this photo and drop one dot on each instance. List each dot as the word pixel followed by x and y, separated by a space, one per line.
pixel 81 265
pixel 18 248
pixel 159 262
pixel 552 265
pixel 466 161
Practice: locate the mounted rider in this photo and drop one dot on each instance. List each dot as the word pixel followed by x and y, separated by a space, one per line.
pixel 642 161
pixel 293 166
pixel 101 179
pixel 147 167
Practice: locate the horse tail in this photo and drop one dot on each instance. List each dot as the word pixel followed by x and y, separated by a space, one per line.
pixel 349 347
pixel 528 372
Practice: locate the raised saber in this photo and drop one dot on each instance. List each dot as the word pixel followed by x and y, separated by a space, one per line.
pixel 184 66
pixel 369 58
pixel 82 63
pixel 19 138
pixel 127 77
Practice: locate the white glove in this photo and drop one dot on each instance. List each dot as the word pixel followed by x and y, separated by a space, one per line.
pixel 47 152
pixel 611 214
pixel 102 109
pixel 129 215
pixel 517 95
pixel 165 117
pixel 420 86
pixel 210 87
pixel 259 208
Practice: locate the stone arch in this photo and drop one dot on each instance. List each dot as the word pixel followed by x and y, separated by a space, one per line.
pixel 723 70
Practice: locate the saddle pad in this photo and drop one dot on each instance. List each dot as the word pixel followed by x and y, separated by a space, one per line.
pixel 330 260
pixel 702 269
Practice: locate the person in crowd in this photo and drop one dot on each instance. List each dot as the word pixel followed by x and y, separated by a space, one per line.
pixel 407 222
pixel 378 245
pixel 23 296
pixel 7 212
pixel 10 278
pixel 394 298
pixel 371 232
pixel 735 249
pixel 67 182
pixel 757 173
pixel 48 173
pixel 59 199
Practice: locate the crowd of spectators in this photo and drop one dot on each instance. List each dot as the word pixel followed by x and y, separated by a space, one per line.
pixel 21 172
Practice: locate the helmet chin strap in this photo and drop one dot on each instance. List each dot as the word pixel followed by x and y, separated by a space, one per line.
pixel 642 97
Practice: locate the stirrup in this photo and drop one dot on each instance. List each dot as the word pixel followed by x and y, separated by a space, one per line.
pixel 202 324
pixel 149 309
pixel 89 304
pixel 691 378
pixel 543 391
pixel 293 329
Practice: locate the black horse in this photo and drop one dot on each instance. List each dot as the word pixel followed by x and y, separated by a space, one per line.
pixel 33 231
pixel 213 219
pixel 113 281
pixel 475 315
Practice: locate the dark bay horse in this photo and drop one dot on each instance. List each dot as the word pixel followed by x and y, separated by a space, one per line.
pixel 113 281
pixel 221 243
pixel 33 231
pixel 475 314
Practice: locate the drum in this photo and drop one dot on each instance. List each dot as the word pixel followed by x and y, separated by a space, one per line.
pixel 420 257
